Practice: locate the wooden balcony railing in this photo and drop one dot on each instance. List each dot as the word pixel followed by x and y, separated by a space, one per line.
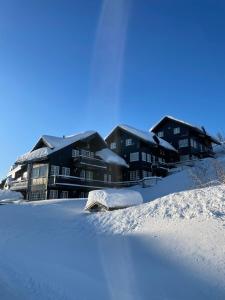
pixel 18 185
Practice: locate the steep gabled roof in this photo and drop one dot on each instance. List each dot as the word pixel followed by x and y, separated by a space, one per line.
pixel 144 135
pixel 53 144
pixel 198 129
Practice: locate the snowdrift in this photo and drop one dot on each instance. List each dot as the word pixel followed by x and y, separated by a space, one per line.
pixel 7 196
pixel 112 199
pixel 205 204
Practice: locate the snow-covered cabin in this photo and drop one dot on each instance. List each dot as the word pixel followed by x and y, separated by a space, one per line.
pixel 146 154
pixel 66 167
pixel 191 141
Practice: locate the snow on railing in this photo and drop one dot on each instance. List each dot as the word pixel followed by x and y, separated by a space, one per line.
pixel 145 182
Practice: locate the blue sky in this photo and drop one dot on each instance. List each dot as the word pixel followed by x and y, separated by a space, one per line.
pixel 69 66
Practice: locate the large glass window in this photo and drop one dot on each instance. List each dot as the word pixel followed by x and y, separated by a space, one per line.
pixel 39 171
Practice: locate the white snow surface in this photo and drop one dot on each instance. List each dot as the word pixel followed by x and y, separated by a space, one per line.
pixel 53 250
pixel 111 157
pixel 145 135
pixel 113 198
pixel 171 248
pixel 9 196
pixel 206 203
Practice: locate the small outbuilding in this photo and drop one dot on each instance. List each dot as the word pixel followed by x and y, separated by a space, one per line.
pixel 111 199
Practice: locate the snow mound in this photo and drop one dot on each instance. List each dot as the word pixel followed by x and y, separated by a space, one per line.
pixel 9 196
pixel 205 203
pixel 113 198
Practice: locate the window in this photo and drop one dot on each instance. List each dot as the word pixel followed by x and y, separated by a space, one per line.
pixel 65 171
pixel 194 144
pixel 82 152
pixel 183 143
pixel 86 174
pixel 87 153
pixel 113 145
pixel 134 156
pixel 160 134
pixel 134 175
pixel 153 159
pixel 105 177
pixel 75 153
pixel 35 173
pixel 176 130
pixel 144 174
pixel 43 170
pixel 184 157
pixel 53 194
pixel 64 194
pixel 40 171
pixel 143 156
pixel 39 195
pixel 161 159
pixel 149 158
pixel 128 142
pixel 54 170
pixel 82 173
pixel 110 178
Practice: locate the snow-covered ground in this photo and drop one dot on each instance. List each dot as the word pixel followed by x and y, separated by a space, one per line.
pixel 7 196
pixel 171 248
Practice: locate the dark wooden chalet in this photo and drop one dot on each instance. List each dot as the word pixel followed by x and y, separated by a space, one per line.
pixel 66 167
pixel 146 154
pixel 191 142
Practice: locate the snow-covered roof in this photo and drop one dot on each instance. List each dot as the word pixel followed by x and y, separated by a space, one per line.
pixel 199 129
pixel 144 135
pixel 113 198
pixel 53 144
pixel 111 157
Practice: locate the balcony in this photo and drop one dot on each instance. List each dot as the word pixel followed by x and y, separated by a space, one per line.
pixel 71 181
pixel 19 185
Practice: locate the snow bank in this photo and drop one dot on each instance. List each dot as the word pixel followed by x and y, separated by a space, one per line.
pixel 113 198
pixel 206 203
pixel 9 196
